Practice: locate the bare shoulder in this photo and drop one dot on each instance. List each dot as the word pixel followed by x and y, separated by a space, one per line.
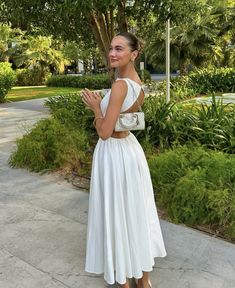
pixel 119 86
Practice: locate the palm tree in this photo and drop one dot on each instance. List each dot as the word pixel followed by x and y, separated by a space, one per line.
pixel 191 43
pixel 8 36
pixel 38 52
pixel 200 39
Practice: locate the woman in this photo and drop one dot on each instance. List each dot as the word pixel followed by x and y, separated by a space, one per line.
pixel 124 233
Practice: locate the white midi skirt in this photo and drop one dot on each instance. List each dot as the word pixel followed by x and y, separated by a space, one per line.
pixel 124 233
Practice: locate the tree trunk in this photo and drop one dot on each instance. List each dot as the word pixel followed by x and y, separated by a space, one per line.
pixel 122 21
pixel 100 32
pixel 102 26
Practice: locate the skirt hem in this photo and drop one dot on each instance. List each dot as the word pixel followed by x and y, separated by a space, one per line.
pixel 128 276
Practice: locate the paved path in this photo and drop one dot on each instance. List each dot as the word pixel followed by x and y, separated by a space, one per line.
pixel 43 229
pixel 226 98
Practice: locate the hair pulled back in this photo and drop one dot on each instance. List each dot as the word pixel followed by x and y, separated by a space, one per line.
pixel 133 41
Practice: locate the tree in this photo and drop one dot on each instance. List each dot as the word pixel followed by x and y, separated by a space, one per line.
pixel 90 21
pixel 8 37
pixel 38 51
pixel 191 43
pixel 86 21
pixel 94 22
pixel 196 34
pixel 77 53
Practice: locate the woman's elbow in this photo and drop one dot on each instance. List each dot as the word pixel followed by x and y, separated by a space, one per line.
pixel 104 134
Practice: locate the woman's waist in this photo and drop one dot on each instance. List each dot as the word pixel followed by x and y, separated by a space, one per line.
pixel 121 134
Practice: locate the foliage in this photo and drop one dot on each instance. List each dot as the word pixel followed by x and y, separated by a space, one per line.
pixel 196 186
pixel 144 75
pixel 51 145
pixel 203 81
pixel 200 81
pixel 71 20
pixel 157 115
pixel 213 80
pixel 8 36
pixel 31 77
pixel 38 52
pixel 212 125
pixel 202 33
pixel 7 79
pixel 87 81
pixel 70 110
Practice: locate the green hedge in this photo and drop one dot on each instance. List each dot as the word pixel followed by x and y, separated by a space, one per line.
pixel 7 79
pixel 203 81
pixel 196 186
pixel 31 77
pixel 64 141
pixel 51 145
pixel 213 80
pixel 87 81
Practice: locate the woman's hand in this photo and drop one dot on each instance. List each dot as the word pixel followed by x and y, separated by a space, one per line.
pixel 91 99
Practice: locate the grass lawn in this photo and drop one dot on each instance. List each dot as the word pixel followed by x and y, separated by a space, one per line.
pixel 34 92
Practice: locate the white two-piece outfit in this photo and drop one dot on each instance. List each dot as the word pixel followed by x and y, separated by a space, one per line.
pixel 124 234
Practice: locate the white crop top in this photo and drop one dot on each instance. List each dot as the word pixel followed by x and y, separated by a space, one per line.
pixel 133 91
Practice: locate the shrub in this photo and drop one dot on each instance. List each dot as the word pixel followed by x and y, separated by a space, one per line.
pixel 51 145
pixel 210 125
pixel 87 81
pixel 157 115
pixel 182 88
pixel 196 186
pixel 201 81
pixel 70 111
pixel 168 124
pixel 213 80
pixel 31 77
pixel 65 140
pixel 7 79
pixel 144 75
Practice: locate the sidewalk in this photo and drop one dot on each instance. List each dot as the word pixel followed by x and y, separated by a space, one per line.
pixel 43 229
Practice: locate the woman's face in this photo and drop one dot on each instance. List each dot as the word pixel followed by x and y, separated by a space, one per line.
pixel 120 53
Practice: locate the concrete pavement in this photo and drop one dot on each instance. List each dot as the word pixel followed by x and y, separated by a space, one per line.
pixel 43 228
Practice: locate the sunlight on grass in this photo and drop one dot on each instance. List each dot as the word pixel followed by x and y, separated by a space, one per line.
pixel 34 92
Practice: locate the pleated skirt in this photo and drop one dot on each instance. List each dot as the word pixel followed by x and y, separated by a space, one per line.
pixel 123 234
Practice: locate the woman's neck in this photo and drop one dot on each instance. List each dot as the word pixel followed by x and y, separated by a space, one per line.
pixel 126 72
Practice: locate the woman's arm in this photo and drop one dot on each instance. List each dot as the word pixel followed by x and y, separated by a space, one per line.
pixel 105 125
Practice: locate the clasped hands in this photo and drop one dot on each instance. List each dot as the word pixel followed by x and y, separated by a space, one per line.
pixel 91 99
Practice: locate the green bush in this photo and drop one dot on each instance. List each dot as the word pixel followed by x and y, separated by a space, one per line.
pixel 7 79
pixel 70 111
pixel 87 81
pixel 51 145
pixel 65 140
pixel 158 127
pixel 213 80
pixel 182 88
pixel 212 125
pixel 31 77
pixel 203 81
pixel 196 186
pixel 144 75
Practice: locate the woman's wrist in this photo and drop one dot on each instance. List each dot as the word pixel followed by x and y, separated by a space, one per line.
pixel 97 118
pixel 98 113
